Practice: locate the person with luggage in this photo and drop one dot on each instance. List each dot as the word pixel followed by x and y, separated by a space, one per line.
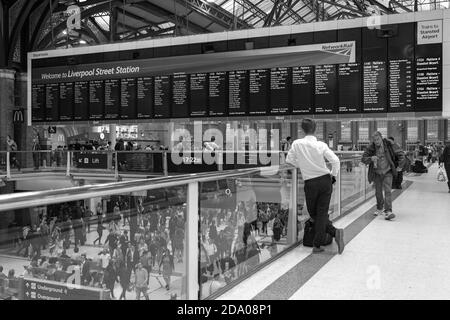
pixel 444 160
pixel 385 160
pixel 309 155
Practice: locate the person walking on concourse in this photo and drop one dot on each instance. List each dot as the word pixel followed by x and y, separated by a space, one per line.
pixel 309 154
pixel 385 160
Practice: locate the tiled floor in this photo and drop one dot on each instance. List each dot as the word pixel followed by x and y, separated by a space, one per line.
pixel 407 258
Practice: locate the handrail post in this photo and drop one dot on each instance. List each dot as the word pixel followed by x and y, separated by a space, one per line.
pixel 192 247
pixel 68 163
pixel 116 166
pixel 338 192
pixel 165 164
pixel 293 223
pixel 8 165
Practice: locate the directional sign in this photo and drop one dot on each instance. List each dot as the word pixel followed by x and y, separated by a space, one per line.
pixel 36 289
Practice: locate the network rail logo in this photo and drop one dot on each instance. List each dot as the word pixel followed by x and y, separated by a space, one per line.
pixel 212 147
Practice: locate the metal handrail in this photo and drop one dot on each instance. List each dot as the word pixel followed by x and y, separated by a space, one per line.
pixel 33 199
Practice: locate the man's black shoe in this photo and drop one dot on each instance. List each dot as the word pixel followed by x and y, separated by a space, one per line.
pixel 339 238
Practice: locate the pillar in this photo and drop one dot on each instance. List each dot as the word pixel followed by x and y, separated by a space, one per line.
pixel 112 134
pixel 7 105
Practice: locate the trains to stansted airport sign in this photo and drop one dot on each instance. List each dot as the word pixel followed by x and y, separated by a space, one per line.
pixel 336 72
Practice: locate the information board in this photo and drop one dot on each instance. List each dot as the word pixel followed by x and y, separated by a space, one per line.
pixel 81 97
pixel 96 99
pixel 218 94
pixel 428 84
pixel 52 102
pixel 66 101
pixel 162 97
pixel 144 97
pixel 280 90
pixel 401 86
pixel 302 90
pixel 128 97
pixel 112 99
pixel 326 89
pixel 349 82
pixel 38 102
pixel 180 98
pixel 374 86
pixel 238 96
pixel 258 91
pixel 199 95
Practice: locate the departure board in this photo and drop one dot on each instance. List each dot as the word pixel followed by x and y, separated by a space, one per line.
pixel 199 95
pixel 96 99
pixel 279 90
pixel 52 102
pixel 112 99
pixel 349 82
pixel 428 84
pixel 302 90
pixel 218 94
pixel 258 85
pixel 38 102
pixel 128 97
pixel 180 95
pixel 374 86
pixel 162 97
pixel 401 86
pixel 81 101
pixel 238 104
pixel 326 89
pixel 144 97
pixel 66 101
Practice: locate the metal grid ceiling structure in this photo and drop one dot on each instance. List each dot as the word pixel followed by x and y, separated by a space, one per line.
pixel 32 25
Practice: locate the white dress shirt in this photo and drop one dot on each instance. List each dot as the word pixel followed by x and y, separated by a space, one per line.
pixel 309 155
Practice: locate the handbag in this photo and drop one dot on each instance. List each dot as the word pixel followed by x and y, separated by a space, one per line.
pixel 309 233
pixel 441 175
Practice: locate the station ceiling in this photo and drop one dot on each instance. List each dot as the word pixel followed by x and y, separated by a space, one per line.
pixel 32 25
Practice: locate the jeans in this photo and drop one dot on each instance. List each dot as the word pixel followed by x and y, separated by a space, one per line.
pixel 142 290
pixel 318 193
pixel 383 182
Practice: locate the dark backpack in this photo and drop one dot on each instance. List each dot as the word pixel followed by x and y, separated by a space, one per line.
pixel 309 232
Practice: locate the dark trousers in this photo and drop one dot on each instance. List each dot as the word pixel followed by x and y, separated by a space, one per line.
pixel 318 195
pixel 36 160
pixel 397 181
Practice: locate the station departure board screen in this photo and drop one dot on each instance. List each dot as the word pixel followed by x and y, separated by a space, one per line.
pixel 162 99
pixel 349 82
pixel 258 91
pixel 218 94
pixel 66 99
pixel 302 90
pixel 326 89
pixel 280 91
pixel 180 98
pixel 199 95
pixel 112 99
pixel 377 75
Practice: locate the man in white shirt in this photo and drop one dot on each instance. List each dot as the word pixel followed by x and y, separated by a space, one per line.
pixel 212 146
pixel 309 155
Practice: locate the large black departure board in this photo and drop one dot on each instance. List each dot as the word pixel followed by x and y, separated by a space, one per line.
pixel 279 90
pixel 144 97
pixel 199 95
pixel 112 99
pixel 258 85
pixel 349 82
pixel 401 86
pixel 162 97
pixel 180 97
pixel 96 99
pixel 218 94
pixel 326 89
pixel 66 101
pixel 81 101
pixel 238 96
pixel 375 86
pixel 52 102
pixel 428 66
pixel 302 90
pixel 38 102
pixel 128 97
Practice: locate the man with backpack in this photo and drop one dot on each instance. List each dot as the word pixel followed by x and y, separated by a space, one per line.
pixel 385 160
